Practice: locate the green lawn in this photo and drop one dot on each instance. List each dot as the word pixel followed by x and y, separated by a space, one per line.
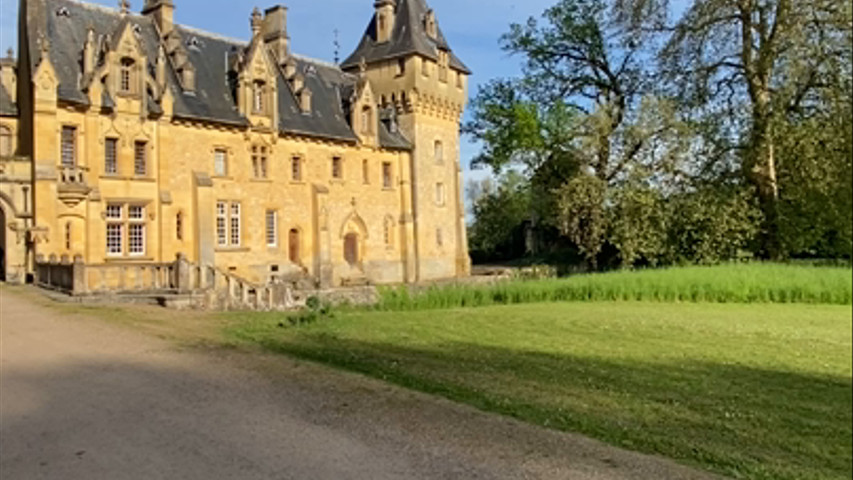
pixel 753 391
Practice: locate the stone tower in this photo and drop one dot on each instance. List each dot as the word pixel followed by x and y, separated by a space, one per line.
pixel 418 80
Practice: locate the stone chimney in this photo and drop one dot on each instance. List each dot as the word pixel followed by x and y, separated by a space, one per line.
pixel 274 31
pixel 163 12
pixel 384 19
pixel 89 52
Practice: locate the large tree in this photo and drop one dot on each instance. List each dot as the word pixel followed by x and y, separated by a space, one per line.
pixel 585 106
pixel 751 66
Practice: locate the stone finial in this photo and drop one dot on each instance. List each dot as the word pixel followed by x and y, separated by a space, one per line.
pixel 124 6
pixel 10 54
pixel 256 21
pixel 362 66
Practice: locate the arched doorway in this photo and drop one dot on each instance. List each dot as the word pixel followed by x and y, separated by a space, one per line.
pixel 293 244
pixel 351 253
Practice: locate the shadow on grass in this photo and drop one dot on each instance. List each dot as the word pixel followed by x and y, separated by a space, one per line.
pixel 733 419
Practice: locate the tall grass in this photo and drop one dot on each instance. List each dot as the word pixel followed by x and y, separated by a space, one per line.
pixel 735 283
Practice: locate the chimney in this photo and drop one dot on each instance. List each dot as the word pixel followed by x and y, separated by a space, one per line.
pixel 384 19
pixel 274 30
pixel 163 12
pixel 89 52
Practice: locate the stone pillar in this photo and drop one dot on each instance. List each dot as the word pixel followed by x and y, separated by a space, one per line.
pixel 182 273
pixel 80 283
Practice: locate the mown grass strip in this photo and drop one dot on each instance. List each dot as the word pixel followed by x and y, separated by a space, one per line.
pixel 750 391
pixel 736 283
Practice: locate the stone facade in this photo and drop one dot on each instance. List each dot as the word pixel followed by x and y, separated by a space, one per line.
pixel 139 140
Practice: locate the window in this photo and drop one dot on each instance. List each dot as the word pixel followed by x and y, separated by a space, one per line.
pixel 293 240
pixel 140 161
pixel 5 141
pixel 123 218
pixel 425 67
pixel 337 168
pixel 136 230
pixel 440 198
pixel 221 224
pixel 296 169
pixel 387 181
pixel 442 65
pixel 272 228
pixel 365 171
pixel 366 121
pixel 126 76
pixel 111 156
pixel 258 96
pixel 259 162
pixel 69 146
pixel 401 66
pixel 438 152
pixel 439 237
pixel 382 21
pixel 179 226
pixel 459 80
pixel 389 232
pixel 220 162
pixel 235 224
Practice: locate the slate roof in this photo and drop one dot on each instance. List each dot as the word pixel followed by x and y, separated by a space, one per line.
pixel 65 23
pixel 8 108
pixel 408 37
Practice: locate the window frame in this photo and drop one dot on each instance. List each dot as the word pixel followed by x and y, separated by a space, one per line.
pixel 271 228
pixel 140 158
pixel 68 146
pixel 108 151
pixel 220 158
pixel 296 168
pixel 387 176
pixel 337 168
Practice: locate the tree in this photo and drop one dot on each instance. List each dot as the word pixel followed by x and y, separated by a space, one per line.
pixel 582 215
pixel 753 63
pixel 499 215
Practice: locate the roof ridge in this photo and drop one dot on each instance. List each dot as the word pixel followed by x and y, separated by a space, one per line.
pixel 104 8
pixel 212 35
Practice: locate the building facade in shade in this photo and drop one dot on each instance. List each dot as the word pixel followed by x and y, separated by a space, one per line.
pixel 139 139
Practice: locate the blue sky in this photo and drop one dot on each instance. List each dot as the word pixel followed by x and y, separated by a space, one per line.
pixel 472 27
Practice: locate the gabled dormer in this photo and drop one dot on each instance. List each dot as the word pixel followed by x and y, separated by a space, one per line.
pixel 364 117
pixel 256 80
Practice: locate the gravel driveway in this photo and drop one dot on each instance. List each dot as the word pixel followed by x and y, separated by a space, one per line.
pixel 83 399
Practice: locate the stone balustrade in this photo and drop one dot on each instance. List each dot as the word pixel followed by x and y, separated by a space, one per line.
pixel 224 290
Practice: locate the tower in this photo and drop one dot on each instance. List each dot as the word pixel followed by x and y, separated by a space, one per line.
pixel 413 70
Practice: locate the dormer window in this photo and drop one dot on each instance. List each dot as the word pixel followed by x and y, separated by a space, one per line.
pixel 366 121
pixel 383 21
pixel 258 97
pixel 431 25
pixel 126 76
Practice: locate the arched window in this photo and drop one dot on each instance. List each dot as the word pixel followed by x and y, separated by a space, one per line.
pixel 258 96
pixel 68 236
pixel 5 141
pixel 293 244
pixel 439 152
pixel 179 226
pixel 126 75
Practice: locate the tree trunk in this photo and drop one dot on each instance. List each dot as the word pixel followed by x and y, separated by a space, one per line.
pixel 762 174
